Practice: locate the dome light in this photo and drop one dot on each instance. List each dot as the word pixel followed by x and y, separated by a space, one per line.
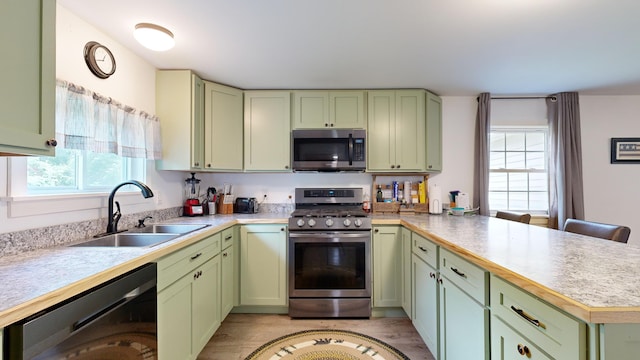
pixel 154 37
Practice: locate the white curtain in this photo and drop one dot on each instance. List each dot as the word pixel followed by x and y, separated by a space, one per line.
pixel 88 121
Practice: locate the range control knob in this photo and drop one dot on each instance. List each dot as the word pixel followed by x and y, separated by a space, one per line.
pixel 357 223
pixel 346 222
pixel 300 223
pixel 329 222
pixel 311 223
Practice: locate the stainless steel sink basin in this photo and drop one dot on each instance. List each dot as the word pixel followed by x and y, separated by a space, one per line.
pixel 168 228
pixel 129 239
pixel 143 237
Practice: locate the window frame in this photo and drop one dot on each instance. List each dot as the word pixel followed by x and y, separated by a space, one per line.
pixel 522 129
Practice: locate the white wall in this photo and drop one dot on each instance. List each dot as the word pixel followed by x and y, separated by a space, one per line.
pixel 611 191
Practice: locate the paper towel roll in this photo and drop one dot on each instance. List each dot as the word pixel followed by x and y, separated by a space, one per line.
pixel 435 199
pixel 407 191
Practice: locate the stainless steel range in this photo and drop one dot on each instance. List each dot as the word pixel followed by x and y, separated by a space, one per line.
pixel 329 254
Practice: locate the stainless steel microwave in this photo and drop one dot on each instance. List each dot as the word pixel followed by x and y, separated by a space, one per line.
pixel 329 150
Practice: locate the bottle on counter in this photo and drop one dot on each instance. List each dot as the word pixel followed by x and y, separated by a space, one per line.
pixel 379 197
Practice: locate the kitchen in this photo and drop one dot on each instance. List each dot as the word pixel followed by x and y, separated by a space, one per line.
pixel 133 85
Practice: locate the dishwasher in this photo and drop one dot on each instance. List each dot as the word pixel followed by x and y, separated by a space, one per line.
pixel 116 320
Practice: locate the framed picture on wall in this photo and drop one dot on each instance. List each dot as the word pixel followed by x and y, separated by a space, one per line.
pixel 625 150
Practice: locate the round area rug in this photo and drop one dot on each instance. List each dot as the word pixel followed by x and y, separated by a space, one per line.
pixel 326 345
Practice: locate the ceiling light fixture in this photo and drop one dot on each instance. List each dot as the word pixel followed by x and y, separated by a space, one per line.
pixel 154 37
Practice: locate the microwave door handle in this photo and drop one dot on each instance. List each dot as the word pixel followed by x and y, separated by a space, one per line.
pixel 350 149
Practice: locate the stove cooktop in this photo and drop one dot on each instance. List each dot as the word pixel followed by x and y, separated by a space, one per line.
pixel 335 209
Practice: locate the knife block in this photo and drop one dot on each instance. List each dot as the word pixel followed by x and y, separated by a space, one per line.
pixel 225 204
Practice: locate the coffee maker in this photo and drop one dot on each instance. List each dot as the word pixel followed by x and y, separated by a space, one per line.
pixel 192 205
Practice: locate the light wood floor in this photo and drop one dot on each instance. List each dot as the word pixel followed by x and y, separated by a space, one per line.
pixel 240 334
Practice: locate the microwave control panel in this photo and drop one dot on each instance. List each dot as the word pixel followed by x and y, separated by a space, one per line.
pixel 358 150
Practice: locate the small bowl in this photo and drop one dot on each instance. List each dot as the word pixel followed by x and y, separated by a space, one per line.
pixel 457 211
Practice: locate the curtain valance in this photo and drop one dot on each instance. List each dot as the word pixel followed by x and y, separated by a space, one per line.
pixel 86 120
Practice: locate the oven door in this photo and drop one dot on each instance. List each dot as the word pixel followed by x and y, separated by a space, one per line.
pixel 330 264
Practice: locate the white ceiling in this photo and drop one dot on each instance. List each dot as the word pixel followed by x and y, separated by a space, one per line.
pixel 452 47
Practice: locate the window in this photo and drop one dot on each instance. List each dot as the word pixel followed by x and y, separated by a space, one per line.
pixel 518 170
pixel 76 171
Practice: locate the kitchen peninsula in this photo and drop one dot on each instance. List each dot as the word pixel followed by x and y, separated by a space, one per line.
pixel 589 280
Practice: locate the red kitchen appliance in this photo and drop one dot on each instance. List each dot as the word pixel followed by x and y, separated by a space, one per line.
pixel 192 205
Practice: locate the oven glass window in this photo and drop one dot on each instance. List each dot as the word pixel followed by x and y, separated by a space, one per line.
pixel 330 266
pixel 310 149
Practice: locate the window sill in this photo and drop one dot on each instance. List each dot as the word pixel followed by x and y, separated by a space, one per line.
pixel 30 205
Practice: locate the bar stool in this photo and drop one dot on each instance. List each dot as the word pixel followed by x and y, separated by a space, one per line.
pixel 513 216
pixel 604 231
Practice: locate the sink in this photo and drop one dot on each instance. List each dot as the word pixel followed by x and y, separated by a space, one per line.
pixel 143 237
pixel 168 228
pixel 129 240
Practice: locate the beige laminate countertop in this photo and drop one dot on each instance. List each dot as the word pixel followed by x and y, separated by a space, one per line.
pixel 594 280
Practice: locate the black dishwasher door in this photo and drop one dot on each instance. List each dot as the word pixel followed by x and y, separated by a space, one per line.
pixel 114 321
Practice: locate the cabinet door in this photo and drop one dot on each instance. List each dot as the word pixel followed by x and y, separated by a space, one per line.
pixel 205 303
pixel 174 321
pixel 425 303
pixel 310 109
pixel 509 344
pixel 381 130
pixel 434 132
pixel 410 130
pixel 180 107
pixel 28 73
pixel 222 127
pixel 267 131
pixel 346 109
pixel 263 262
pixel 406 271
pixel 387 266
pixel 227 284
pixel 464 324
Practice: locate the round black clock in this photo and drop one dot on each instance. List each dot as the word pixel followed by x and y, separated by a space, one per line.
pixel 99 59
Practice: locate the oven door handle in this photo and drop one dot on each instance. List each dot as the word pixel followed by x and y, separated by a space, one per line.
pixel 363 234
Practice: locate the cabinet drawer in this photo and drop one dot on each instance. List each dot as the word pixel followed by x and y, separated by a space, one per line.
pixel 553 331
pixel 425 249
pixel 227 237
pixel 468 277
pixel 509 344
pixel 176 265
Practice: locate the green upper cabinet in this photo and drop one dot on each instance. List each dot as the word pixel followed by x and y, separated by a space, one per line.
pixel 434 132
pixel 343 109
pixel 180 107
pixel 267 131
pixel 28 73
pixel 222 127
pixel 396 131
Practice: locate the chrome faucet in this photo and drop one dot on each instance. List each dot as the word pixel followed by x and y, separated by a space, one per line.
pixel 112 226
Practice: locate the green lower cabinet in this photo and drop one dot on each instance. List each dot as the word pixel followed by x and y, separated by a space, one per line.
pixel 425 303
pixel 188 312
pixel 263 265
pixel 507 343
pixel 407 279
pixel 464 324
pixel 227 282
pixel 174 321
pixel 618 342
pixel 387 266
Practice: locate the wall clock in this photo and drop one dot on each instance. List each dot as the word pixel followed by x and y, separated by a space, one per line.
pixel 99 59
